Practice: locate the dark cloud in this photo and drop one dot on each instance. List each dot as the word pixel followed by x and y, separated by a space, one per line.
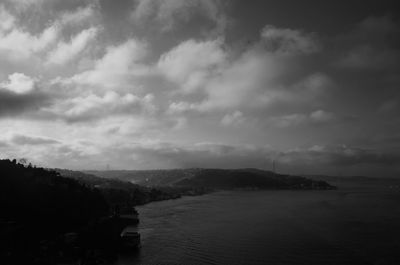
pixel 322 159
pixel 171 74
pixel 29 140
pixel 341 156
pixel 170 155
pixel 372 45
pixel 13 104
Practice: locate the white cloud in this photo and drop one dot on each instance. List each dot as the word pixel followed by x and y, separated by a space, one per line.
pixel 116 68
pixel 288 40
pixel 67 51
pixel 94 107
pixel 167 13
pixel 233 119
pixel 79 15
pixel 191 63
pixel 231 81
pixel 7 20
pixel 289 120
pixel 321 116
pixel 227 85
pixel 180 107
pixel 296 119
pixel 19 83
pixel 316 82
pixel 239 83
pixel 18 44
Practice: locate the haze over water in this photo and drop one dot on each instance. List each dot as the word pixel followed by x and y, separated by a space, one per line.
pixel 357 224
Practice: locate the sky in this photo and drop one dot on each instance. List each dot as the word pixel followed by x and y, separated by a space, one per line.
pixel 146 84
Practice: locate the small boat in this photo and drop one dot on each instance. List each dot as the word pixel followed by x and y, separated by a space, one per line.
pixel 127 213
pixel 130 214
pixel 130 239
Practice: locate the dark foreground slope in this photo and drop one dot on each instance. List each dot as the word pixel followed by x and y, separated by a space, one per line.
pixel 38 207
pixel 215 179
pixel 44 198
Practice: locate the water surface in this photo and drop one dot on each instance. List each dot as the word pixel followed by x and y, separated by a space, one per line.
pixel 357 224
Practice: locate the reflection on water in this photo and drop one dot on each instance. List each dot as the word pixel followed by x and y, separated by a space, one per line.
pixel 352 225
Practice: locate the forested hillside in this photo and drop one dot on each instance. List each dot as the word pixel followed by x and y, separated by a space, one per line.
pixel 36 195
pixel 214 178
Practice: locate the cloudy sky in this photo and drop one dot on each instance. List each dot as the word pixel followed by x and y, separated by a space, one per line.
pixel 141 84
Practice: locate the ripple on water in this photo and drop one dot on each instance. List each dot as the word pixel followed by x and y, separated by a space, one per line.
pixel 303 228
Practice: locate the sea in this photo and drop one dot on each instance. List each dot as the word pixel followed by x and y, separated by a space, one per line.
pixel 359 223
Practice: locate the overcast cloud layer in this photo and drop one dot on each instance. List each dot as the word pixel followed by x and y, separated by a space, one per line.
pixel 141 84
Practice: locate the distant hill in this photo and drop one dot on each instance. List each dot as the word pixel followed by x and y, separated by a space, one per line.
pixel 351 178
pixel 121 192
pixel 152 178
pixel 214 178
pixel 96 181
pixel 345 182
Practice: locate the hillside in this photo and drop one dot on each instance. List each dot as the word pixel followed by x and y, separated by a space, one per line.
pixel 46 197
pixel 215 179
pixel 38 207
pixel 124 193
pixel 157 177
